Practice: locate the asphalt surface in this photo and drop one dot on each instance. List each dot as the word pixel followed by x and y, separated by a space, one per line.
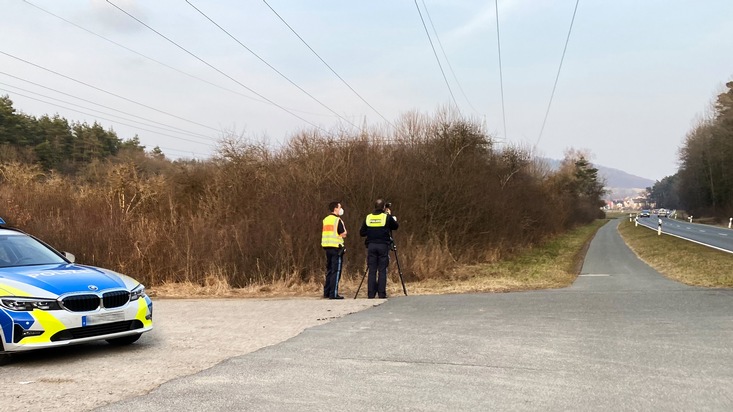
pixel 622 337
pixel 714 236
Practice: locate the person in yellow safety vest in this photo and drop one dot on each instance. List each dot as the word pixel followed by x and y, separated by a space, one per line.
pixel 377 228
pixel 332 241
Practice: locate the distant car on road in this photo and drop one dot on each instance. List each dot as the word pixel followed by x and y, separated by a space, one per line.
pixel 46 300
pixel 645 213
pixel 662 212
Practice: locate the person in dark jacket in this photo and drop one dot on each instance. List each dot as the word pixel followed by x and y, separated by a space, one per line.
pixel 333 233
pixel 377 228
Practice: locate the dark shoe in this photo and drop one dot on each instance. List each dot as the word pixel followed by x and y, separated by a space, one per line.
pixel 336 297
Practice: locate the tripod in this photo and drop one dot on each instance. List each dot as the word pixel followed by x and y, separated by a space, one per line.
pixel 393 247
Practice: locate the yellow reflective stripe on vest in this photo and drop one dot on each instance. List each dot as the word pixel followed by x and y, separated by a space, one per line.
pixel 379 220
pixel 329 233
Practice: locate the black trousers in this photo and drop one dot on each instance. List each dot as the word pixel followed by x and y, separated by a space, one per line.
pixel 334 262
pixel 377 261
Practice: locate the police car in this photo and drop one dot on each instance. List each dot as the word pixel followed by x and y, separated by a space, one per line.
pixel 46 300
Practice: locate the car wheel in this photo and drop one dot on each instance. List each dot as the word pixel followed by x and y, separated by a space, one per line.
pixel 125 340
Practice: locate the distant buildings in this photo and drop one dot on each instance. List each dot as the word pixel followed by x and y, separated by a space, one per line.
pixel 628 203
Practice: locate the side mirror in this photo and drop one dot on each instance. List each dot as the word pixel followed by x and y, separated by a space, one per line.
pixel 70 257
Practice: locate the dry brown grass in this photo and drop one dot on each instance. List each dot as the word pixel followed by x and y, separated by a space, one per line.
pixel 679 259
pixel 553 264
pixel 252 215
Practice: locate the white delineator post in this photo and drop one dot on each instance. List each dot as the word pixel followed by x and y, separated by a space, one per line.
pixel 659 228
pixel 730 222
pixel 630 217
pixel 636 221
pixel 690 219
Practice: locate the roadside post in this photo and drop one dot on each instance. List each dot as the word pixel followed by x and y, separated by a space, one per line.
pixel 659 227
pixel 636 221
pixel 690 219
pixel 730 222
pixel 630 216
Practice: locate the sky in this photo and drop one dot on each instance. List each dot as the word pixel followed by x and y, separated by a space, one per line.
pixel 636 74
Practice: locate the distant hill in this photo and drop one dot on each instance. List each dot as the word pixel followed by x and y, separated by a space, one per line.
pixel 618 181
pixel 619 178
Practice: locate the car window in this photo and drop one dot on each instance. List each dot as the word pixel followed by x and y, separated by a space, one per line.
pixel 21 250
pixel 4 256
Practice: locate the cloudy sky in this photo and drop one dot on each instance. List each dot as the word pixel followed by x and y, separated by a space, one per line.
pixel 636 75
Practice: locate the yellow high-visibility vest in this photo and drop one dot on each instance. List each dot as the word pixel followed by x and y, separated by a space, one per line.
pixel 379 220
pixel 329 234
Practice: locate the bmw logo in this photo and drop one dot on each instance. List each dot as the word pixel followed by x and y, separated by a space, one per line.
pixel 92 287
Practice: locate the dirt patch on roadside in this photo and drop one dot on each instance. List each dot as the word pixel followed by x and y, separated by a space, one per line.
pixel 190 335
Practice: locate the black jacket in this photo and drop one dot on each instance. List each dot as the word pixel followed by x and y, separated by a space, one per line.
pixel 379 234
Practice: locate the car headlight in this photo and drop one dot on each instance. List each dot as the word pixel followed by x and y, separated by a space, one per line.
pixel 137 293
pixel 29 304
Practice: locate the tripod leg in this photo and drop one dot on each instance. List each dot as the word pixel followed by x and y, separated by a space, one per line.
pixel 399 270
pixel 361 283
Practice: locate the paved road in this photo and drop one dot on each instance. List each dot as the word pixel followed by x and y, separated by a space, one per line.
pixel 622 337
pixel 717 237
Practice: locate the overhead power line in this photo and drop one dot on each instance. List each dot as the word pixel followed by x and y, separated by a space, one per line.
pixel 161 63
pixel 501 74
pixel 269 65
pixel 562 58
pixel 445 55
pixel 436 57
pixel 179 130
pixel 211 66
pixel 94 110
pixel 327 65
pixel 184 152
pixel 105 91
pixel 110 120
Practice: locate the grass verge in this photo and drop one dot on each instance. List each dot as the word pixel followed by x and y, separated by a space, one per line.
pixel 679 259
pixel 554 264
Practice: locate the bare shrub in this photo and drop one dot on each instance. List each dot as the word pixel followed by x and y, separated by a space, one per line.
pixel 251 216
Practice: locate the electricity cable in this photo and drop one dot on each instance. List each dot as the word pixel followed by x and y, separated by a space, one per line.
pixel 167 65
pixel 168 149
pixel 445 55
pixel 94 110
pixel 567 40
pixel 268 64
pixel 436 57
pixel 501 73
pixel 211 66
pixel 105 91
pixel 114 121
pixel 327 65
pixel 161 63
pixel 178 130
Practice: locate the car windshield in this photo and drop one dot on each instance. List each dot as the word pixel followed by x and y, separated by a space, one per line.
pixel 22 250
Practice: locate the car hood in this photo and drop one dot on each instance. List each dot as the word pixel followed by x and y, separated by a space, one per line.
pixel 45 280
